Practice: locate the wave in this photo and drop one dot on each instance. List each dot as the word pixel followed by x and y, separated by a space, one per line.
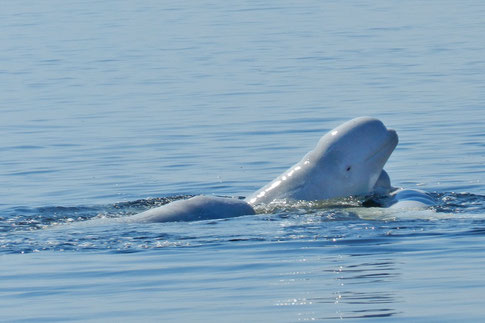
pixel 64 228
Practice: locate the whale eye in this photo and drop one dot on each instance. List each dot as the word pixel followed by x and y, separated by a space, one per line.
pixel 348 168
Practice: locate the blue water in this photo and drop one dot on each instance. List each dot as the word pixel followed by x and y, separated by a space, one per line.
pixel 110 108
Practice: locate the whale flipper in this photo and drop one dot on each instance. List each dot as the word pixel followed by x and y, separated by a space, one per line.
pixel 383 184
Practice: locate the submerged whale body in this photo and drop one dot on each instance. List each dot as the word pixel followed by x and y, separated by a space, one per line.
pixel 347 161
pixel 410 199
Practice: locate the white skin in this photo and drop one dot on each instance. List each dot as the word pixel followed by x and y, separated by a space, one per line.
pixel 196 208
pixel 346 161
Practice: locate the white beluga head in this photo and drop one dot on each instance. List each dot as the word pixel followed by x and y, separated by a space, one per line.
pixel 347 161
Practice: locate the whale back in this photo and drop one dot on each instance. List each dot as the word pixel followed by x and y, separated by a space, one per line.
pixel 200 207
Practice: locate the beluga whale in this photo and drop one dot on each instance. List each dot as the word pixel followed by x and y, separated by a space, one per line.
pixel 347 161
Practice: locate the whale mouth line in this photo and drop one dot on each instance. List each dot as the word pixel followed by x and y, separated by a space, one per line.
pixel 383 147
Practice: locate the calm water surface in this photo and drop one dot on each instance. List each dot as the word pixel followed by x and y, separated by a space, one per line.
pixel 110 108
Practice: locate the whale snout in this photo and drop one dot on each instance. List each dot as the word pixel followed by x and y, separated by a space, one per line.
pixel 386 145
pixel 393 133
pixel 394 138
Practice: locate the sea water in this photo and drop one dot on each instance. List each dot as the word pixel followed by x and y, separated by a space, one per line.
pixel 110 108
